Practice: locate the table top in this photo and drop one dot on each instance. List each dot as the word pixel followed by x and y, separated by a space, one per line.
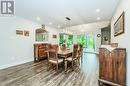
pixel 64 52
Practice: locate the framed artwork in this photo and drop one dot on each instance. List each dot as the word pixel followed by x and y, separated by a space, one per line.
pixel 119 25
pixel 26 33
pixel 19 32
pixel 54 36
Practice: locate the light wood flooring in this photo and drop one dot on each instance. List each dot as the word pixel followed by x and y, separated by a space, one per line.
pixel 36 74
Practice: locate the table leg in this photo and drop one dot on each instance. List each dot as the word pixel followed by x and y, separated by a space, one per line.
pixel 65 64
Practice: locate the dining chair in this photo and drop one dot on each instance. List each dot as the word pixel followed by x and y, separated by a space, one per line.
pixel 73 58
pixel 54 46
pixel 53 59
pixel 48 46
pixel 79 54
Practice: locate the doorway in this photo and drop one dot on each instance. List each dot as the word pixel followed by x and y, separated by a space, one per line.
pixel 90 43
pixel 87 41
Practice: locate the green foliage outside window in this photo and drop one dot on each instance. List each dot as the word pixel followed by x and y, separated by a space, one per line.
pixel 81 40
pixel 68 38
pixel 61 39
pixel 90 42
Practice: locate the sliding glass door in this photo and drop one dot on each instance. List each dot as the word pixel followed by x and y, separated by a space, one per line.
pixel 90 43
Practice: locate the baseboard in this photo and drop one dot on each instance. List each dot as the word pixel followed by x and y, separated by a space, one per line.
pixel 16 63
pixel 92 52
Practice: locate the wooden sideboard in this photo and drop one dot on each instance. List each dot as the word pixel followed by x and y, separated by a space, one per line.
pixel 40 51
pixel 112 67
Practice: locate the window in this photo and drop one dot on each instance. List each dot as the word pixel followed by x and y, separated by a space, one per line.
pixel 67 37
pixel 90 44
pixel 81 39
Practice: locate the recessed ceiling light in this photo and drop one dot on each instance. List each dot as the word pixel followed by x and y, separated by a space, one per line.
pixel 98 10
pixel 82 30
pixel 98 18
pixel 38 18
pixel 50 23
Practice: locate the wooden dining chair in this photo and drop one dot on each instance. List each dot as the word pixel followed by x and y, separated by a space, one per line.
pixel 48 46
pixel 74 58
pixel 53 59
pixel 79 54
pixel 54 46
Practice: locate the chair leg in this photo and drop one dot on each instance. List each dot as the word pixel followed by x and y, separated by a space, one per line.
pixel 48 67
pixel 65 66
pixel 56 67
pixel 78 61
pixel 72 65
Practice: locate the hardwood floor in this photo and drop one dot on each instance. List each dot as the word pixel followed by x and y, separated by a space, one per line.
pixel 36 74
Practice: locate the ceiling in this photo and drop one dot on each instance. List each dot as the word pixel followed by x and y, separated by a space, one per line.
pixel 53 12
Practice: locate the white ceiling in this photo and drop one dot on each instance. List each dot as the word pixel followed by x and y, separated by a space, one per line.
pixel 55 11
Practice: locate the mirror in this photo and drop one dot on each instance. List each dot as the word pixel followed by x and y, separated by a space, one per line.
pixel 41 34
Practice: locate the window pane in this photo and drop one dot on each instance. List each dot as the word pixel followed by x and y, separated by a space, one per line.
pixel 60 38
pixel 81 39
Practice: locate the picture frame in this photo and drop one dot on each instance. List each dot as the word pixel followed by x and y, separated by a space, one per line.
pixel 119 25
pixel 19 32
pixel 26 33
pixel 54 36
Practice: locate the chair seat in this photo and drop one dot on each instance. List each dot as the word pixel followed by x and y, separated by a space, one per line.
pixel 55 61
pixel 70 58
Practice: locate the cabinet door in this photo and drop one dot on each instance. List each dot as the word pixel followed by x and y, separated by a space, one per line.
pixel 113 68
pixel 41 53
pixel 121 67
pixel 107 62
pixel 110 68
pixel 104 57
pixel 101 63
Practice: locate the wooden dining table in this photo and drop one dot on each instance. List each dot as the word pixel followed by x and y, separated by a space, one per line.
pixel 64 53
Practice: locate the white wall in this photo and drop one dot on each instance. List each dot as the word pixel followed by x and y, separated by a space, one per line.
pixel 53 31
pixel 123 39
pixel 16 49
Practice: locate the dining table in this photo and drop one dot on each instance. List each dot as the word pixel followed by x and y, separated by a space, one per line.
pixel 64 53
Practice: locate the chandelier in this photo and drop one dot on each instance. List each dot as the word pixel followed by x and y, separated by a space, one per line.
pixel 66 30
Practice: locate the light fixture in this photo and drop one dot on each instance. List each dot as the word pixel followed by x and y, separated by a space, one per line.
pixel 98 18
pixel 66 30
pixel 58 26
pixel 68 18
pixel 50 23
pixel 98 10
pixel 38 18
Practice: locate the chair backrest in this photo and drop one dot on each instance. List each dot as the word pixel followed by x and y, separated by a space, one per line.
pixel 80 49
pixel 75 50
pixel 54 46
pixel 49 46
pixel 52 54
